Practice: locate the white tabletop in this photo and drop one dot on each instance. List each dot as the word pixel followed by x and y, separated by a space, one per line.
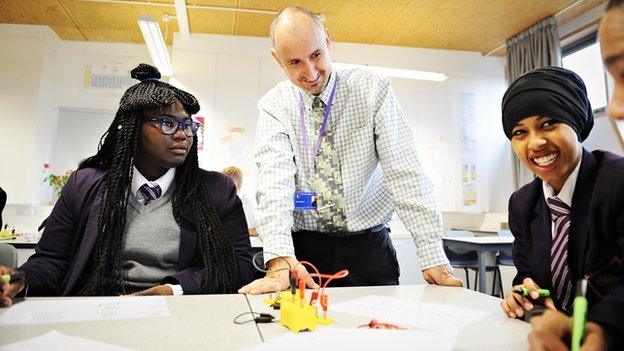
pixel 195 323
pixel 484 240
pixel 494 332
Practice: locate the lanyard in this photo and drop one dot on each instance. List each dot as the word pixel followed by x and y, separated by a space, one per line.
pixel 302 114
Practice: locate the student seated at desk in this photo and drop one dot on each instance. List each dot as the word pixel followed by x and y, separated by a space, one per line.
pixel 568 223
pixel 141 216
pixel 552 330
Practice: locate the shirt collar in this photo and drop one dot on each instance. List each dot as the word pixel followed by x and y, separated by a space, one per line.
pixel 567 191
pixel 164 182
pixel 324 95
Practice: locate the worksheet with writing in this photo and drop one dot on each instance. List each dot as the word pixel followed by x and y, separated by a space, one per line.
pixel 429 316
pixel 84 309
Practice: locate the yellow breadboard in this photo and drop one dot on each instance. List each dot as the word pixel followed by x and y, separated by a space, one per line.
pixel 298 315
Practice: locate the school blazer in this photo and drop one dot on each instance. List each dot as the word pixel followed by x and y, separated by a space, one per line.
pixel 70 234
pixel 596 236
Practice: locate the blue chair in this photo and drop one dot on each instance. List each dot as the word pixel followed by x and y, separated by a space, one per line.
pixel 505 257
pixel 469 259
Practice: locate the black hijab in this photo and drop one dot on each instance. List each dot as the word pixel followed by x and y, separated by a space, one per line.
pixel 550 91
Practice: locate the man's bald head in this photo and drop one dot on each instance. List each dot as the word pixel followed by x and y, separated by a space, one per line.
pixel 293 17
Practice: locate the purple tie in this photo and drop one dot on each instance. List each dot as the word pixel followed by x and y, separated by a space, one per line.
pixel 150 193
pixel 560 273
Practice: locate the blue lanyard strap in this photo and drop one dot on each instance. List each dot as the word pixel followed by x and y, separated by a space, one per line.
pixel 302 114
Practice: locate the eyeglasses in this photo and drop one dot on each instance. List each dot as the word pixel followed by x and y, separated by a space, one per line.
pixel 170 125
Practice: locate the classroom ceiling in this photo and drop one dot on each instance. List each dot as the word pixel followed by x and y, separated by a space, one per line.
pixel 472 25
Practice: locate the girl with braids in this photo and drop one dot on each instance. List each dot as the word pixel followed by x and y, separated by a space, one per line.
pixel 140 216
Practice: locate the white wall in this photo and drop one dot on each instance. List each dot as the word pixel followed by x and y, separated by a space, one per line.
pixel 228 75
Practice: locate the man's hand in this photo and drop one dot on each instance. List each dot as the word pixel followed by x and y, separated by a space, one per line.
pixel 552 331
pixel 9 290
pixel 515 304
pixel 441 275
pixel 277 277
pixel 155 290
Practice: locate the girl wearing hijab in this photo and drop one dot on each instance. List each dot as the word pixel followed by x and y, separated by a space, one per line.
pixel 568 223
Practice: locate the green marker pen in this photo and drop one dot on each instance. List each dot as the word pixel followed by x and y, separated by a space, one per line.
pixel 526 292
pixel 579 315
pixel 13 277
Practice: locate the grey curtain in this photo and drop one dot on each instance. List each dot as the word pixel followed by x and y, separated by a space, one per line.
pixel 536 46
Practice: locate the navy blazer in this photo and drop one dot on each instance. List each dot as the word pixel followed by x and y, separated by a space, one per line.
pixel 70 234
pixel 596 237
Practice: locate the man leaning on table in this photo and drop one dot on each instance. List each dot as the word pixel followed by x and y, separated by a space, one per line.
pixel 340 138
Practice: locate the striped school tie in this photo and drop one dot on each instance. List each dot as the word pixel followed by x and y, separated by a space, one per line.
pixel 150 193
pixel 560 273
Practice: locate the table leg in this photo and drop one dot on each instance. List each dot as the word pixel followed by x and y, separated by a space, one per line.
pixel 482 276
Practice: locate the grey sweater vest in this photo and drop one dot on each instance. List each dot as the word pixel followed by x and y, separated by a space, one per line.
pixel 151 242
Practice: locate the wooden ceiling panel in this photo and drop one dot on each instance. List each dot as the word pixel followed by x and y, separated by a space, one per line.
pixel 473 25
pixel 348 21
pixel 45 12
pixel 464 25
pixel 114 35
pixel 211 21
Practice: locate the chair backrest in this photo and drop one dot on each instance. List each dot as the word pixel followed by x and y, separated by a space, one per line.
pixel 459 254
pixel 8 255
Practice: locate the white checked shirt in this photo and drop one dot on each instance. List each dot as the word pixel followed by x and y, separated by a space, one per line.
pixel 371 135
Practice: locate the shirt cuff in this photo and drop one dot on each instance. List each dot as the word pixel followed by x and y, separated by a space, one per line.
pixel 177 289
pixel 431 255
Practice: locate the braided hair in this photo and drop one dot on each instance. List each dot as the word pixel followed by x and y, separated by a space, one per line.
pixel 116 156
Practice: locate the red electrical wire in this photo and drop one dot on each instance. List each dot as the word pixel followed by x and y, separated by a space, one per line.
pixel 374 324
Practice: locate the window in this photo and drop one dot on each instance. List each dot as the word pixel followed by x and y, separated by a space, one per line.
pixel 583 57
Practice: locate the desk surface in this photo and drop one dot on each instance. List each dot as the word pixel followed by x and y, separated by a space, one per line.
pixel 483 240
pixel 495 332
pixel 195 323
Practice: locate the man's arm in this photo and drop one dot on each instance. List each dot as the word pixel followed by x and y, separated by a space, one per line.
pixel 275 195
pixel 412 192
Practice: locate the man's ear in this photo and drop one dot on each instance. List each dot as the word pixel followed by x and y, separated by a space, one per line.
pixel 274 54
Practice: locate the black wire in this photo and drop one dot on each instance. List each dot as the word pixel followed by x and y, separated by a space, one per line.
pixel 236 321
pixel 264 270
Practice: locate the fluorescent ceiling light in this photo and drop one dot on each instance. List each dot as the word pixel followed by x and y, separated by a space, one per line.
pixel 180 7
pixel 155 44
pixel 397 72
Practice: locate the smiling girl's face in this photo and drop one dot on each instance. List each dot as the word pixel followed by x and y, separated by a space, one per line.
pixel 549 148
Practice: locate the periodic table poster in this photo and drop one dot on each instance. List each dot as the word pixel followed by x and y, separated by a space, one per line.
pixel 105 76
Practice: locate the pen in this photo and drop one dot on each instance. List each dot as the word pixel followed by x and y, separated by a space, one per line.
pixel 526 292
pixel 578 315
pixel 12 277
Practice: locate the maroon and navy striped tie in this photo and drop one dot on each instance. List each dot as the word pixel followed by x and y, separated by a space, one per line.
pixel 560 272
pixel 150 193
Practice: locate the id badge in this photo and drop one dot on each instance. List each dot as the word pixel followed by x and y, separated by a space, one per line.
pixel 305 201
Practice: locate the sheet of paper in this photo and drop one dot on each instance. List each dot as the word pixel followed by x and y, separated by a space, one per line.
pixel 329 338
pixel 55 341
pixel 84 309
pixel 411 313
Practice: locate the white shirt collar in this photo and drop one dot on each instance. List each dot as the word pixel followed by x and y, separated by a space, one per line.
pixel 164 182
pixel 567 191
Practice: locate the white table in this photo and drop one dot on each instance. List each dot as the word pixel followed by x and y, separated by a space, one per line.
pixel 484 245
pixel 495 332
pixel 195 323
